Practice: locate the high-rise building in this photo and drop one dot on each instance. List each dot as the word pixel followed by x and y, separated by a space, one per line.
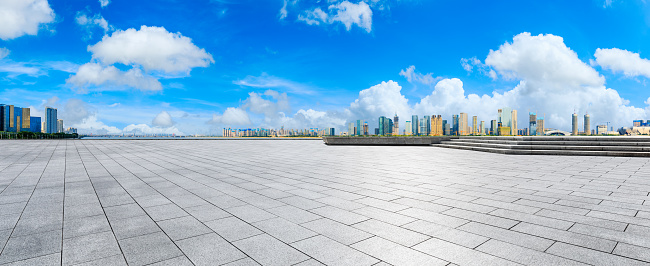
pixel 540 126
pixel 505 119
pixel 359 128
pixel 26 117
pixel 396 125
pixel 437 128
pixel 574 124
pixel 51 124
pixel 408 130
pixel 601 129
pixel 513 124
pixel 532 124
pixel 454 126
pixel 463 127
pixel 16 119
pixel 493 128
pixel 475 125
pixel 427 126
pixel 445 128
pixel 422 127
pixel 365 128
pixel 587 124
pixel 351 129
pixel 35 124
pixel 482 129
pixel 4 116
pixel 385 126
pixel 415 125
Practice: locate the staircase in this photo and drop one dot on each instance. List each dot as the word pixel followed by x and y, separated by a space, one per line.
pixel 551 145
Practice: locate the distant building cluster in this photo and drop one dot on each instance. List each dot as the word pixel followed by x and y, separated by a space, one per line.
pixel 264 132
pixel 17 119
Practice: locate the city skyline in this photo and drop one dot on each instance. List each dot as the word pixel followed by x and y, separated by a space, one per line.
pixel 320 65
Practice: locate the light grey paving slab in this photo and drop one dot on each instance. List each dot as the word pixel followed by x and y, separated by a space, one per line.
pixel 164 212
pixel 284 230
pixel 590 256
pixel 303 203
pixel 207 212
pixel 183 227
pixel 293 214
pixel 395 254
pixel 509 236
pixel 245 262
pixel 147 249
pixel 232 228
pixel 250 213
pixel 269 251
pixel 458 254
pixel 209 249
pixel 335 254
pixel 38 224
pixel 339 215
pixel 463 238
pixel 108 261
pixel 51 259
pixel 135 226
pixel 337 231
pixel 523 255
pixel 434 217
pixel 85 226
pixel 391 232
pixel 31 246
pixel 123 212
pixel 178 261
pixel 89 247
pixel 566 236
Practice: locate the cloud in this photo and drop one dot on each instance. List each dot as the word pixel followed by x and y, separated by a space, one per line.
pixel 4 52
pixel 283 10
pixel 88 23
pixel 231 117
pixel 91 125
pixel 617 60
pixel 347 13
pixel 470 63
pixel 163 119
pixel 23 17
pixel 104 3
pixel 139 129
pixel 153 48
pixel 383 99
pixel 412 76
pixel 35 69
pixel 75 111
pixel 111 78
pixel 268 82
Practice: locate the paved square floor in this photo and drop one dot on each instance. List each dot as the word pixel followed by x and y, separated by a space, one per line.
pixel 299 202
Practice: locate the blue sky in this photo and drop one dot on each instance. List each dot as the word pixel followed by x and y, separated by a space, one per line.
pixel 194 67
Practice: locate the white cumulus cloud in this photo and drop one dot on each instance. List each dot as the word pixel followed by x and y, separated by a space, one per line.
pixel 111 78
pixel 23 17
pixel 153 48
pixel 231 117
pixel 413 76
pixel 382 99
pixel 163 119
pixel 617 60
pixel 104 3
pixel 347 13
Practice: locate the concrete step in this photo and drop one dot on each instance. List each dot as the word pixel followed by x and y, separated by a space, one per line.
pixel 547 152
pixel 563 138
pixel 549 147
pixel 550 142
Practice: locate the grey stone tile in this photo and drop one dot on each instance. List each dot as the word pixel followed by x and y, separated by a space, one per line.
pixel 108 261
pixel 630 251
pixel 183 227
pixel 250 213
pixel 589 256
pixel 207 212
pixel 164 212
pixel 85 226
pixel 293 214
pixel 8 221
pixel 134 226
pixel 232 228
pixel 89 247
pixel 51 259
pixel 178 261
pixel 566 236
pixel 79 211
pixel 337 231
pixel 481 218
pixel 533 219
pixel 523 255
pixel 334 254
pixel 311 262
pixel 209 249
pixel 269 251
pixel 434 217
pixel 147 249
pixel 391 232
pixel 448 234
pixel 458 254
pixel 284 230
pixel 512 237
pixel 625 237
pixel 302 203
pixel 31 246
pixel 339 215
pixel 38 224
pixel 123 211
pixel 395 254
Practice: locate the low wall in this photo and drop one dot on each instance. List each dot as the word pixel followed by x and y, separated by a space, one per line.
pixel 386 141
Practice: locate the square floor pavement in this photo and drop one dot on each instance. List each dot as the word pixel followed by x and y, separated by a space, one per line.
pixel 300 202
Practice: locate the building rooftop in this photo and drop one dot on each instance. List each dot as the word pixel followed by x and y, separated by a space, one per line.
pixel 278 202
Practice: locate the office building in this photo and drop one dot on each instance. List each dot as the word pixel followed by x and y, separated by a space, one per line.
pixel 437 127
pixel 601 129
pixel 587 124
pixel 475 125
pixel 332 131
pixel 385 126
pixel 351 129
pixel 540 126
pixel 445 125
pixel 395 125
pixel 463 127
pixel 51 124
pixel 513 124
pixel 493 128
pixel 359 128
pixel 365 128
pixel 454 126
pixel 505 119
pixel 532 124
pixel 35 124
pixel 6 113
pixel 72 130
pixel 407 128
pixel 427 126
pixel 574 124
pixel 415 125
pixel 482 128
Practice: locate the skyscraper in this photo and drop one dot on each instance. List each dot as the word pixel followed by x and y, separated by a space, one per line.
pixel 587 124
pixel 532 124
pixel 423 126
pixel 385 126
pixel 463 127
pixel 415 125
pixel 396 125
pixel 408 130
pixel 540 126
pixel 437 126
pixel 445 127
pixel 482 129
pixel 427 126
pixel 574 124
pixel 51 125
pixel 380 125
pixel 494 126
pixel 365 128
pixel 513 124
pixel 359 128
pixel 475 125
pixel 505 118
pixel 454 125
pixel 351 129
